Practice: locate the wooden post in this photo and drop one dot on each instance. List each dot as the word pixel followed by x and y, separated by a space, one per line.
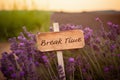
pixel 59 53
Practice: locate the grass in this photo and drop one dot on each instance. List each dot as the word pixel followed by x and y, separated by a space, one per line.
pixel 11 22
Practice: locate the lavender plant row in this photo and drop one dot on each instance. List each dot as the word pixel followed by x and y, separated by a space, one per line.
pixel 98 60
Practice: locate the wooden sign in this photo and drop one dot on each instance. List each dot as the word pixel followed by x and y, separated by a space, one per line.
pixel 63 40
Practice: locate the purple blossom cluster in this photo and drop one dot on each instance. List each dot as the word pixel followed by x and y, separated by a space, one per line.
pixel 24 59
pixel 98 60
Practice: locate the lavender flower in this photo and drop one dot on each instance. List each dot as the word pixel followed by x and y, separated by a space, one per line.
pixel 70 67
pixel 84 70
pixel 71 60
pixel 96 48
pixel 112 47
pixel 45 60
pixel 88 34
pixel 97 40
pixel 97 19
pixel 106 69
pixel 109 23
pixel 61 75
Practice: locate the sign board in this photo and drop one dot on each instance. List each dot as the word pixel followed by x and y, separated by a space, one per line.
pixel 63 40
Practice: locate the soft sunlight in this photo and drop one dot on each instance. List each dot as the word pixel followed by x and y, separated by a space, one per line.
pixel 60 5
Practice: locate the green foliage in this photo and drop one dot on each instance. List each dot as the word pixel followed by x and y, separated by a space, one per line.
pixel 11 22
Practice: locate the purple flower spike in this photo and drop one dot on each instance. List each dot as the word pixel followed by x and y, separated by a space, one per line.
pixel 45 59
pixel 60 73
pixel 109 23
pixel 71 60
pixel 10 68
pixel 21 44
pixel 118 55
pixel 95 47
pixel 97 40
pixel 97 19
pixel 106 69
pixel 22 73
pixel 13 75
pixel 84 70
pixel 112 47
pixel 37 64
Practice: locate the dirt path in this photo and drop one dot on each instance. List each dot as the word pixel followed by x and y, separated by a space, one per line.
pixel 4 47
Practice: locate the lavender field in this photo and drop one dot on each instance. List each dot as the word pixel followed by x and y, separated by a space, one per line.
pixel 87 33
pixel 98 60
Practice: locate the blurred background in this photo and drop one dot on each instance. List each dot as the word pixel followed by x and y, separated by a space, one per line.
pixel 38 15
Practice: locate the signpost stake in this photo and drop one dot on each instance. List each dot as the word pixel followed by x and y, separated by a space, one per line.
pixel 59 53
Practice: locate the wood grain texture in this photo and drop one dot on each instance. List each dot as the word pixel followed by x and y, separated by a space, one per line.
pixel 53 41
